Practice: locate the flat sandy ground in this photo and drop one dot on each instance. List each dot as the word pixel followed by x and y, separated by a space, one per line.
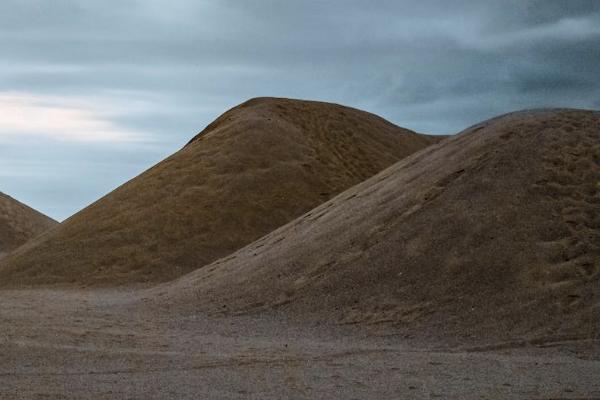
pixel 102 345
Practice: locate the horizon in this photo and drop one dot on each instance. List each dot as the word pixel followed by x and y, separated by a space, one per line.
pixel 93 94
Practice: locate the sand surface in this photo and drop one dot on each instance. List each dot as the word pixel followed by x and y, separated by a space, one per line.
pixel 106 345
pixel 469 269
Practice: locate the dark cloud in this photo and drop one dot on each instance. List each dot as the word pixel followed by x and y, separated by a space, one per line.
pixel 548 11
pixel 165 69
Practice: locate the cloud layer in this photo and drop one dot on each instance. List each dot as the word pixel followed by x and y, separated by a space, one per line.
pixel 139 78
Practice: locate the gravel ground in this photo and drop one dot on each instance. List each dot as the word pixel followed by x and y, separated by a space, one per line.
pixel 103 345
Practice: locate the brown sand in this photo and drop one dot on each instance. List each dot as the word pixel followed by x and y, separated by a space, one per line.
pixel 468 270
pixel 19 223
pixel 493 233
pixel 255 168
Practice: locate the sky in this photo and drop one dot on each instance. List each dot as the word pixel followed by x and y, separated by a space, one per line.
pixel 94 92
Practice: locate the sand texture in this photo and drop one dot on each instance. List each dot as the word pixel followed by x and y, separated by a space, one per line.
pixel 257 167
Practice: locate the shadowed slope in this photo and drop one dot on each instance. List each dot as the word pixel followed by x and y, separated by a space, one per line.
pixel 495 232
pixel 19 223
pixel 255 168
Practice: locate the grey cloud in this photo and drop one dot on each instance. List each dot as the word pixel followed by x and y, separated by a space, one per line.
pixel 547 11
pixel 171 67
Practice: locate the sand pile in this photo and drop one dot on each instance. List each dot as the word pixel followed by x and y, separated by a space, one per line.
pixel 493 232
pixel 19 223
pixel 255 168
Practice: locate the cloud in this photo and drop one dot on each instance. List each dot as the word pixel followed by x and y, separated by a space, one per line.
pixel 25 114
pixel 567 29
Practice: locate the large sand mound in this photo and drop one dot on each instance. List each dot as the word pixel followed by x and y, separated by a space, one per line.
pixel 255 168
pixel 493 232
pixel 19 223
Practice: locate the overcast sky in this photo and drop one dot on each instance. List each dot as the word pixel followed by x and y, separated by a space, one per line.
pixel 94 92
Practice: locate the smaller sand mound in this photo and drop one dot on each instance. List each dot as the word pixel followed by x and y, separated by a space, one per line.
pixel 19 223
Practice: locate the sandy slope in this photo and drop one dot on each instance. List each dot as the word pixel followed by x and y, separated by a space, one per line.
pixel 19 223
pixel 493 233
pixel 255 168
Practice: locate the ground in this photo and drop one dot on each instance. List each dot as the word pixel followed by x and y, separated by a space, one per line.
pixel 97 344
